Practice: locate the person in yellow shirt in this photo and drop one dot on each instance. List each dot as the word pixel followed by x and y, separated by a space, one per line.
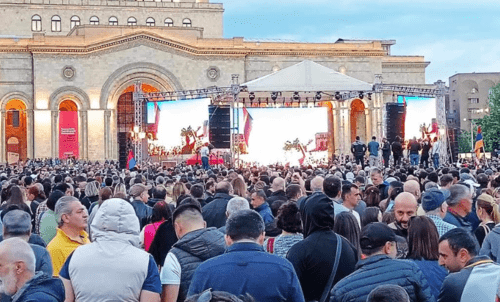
pixel 72 219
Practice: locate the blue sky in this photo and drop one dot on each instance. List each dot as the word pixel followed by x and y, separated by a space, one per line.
pixel 455 36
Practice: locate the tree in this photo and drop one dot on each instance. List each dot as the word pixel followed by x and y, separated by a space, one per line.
pixel 464 142
pixel 490 124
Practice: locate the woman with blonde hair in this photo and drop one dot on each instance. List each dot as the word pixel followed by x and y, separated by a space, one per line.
pixel 120 189
pixel 91 194
pixel 239 187
pixel 179 192
pixel 487 211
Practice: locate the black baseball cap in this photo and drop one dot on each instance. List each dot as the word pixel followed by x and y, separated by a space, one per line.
pixel 375 235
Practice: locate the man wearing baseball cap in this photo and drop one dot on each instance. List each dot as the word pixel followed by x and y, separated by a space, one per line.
pixel 139 193
pixel 378 244
pixel 435 207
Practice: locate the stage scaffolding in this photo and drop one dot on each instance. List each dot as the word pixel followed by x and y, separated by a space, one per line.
pixel 237 96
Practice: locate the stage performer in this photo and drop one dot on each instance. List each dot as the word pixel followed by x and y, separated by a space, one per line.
pixel 424 159
pixel 358 149
pixel 205 153
pixel 436 151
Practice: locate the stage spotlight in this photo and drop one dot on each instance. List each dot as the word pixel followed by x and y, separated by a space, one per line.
pixel 251 96
pixel 259 102
pixel 361 95
pixel 274 96
pixel 369 96
pixel 307 101
pixel 337 96
pixel 318 95
pixel 267 101
pixel 296 96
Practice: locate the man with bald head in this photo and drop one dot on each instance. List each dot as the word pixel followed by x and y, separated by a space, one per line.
pixel 412 186
pixel 214 213
pixel 317 184
pixel 17 271
pixel 278 191
pixel 405 206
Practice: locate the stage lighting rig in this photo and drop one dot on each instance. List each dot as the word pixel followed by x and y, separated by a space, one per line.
pixel 274 96
pixel 361 95
pixel 369 96
pixel 338 97
pixel 251 96
pixel 296 96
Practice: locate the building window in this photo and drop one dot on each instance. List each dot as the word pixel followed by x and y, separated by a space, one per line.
pixel 56 23
pixel 94 20
pixel 474 101
pixel 13 118
pixel 36 23
pixel 113 21
pixel 150 21
pixel 74 21
pixel 169 22
pixel 187 23
pixel 132 21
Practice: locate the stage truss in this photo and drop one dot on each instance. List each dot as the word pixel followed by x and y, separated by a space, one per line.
pixel 237 97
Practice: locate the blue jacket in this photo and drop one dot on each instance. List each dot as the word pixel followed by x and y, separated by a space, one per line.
pixel 41 288
pixel 373 148
pixel 491 245
pixel 381 269
pixel 434 273
pixel 247 268
pixel 265 212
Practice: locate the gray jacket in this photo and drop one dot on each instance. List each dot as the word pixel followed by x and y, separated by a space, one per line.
pixel 491 245
pixel 194 248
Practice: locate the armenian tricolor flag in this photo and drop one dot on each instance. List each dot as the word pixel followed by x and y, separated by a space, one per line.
pixel 479 143
pixel 131 160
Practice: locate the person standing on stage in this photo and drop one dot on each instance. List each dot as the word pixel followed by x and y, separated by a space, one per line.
pixel 205 152
pixel 386 152
pixel 358 149
pixel 397 151
pixel 436 151
pixel 373 147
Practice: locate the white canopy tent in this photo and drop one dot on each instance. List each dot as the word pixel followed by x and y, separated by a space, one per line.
pixel 307 76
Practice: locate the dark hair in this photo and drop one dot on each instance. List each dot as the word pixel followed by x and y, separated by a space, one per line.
pixel 372 196
pixel 395 192
pixel 347 226
pixel 388 293
pixel 108 181
pixel 244 224
pixel 423 239
pixel 189 200
pixel 217 296
pixel 63 187
pixel 261 194
pixel 159 192
pixel 458 239
pixel 292 191
pixel 370 215
pixel 288 218
pixel 388 217
pixel 196 191
pixel 12 207
pixel 346 189
pixel 53 198
pixel 332 186
pixel 275 206
pixel 161 211
pixel 433 177
pixel 16 195
pixel 187 207
pixel 455 174
pixel 445 180
pixel 58 178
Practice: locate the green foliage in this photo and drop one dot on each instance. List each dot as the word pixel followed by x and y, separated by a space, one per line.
pixel 464 142
pixel 490 124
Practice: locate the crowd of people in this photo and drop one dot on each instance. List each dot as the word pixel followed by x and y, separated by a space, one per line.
pixel 348 231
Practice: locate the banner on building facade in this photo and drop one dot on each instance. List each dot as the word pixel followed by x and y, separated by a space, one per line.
pixel 68 134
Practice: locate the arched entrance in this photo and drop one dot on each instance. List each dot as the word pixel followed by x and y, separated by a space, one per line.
pixel 16 131
pixel 358 120
pixel 68 130
pixel 125 120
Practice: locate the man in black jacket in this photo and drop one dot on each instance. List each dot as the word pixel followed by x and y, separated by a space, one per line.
pixel 472 277
pixel 313 257
pixel 214 213
pixel 358 149
pixel 397 151
pixel 386 152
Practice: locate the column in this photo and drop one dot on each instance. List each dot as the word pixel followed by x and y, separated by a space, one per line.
pixel 331 131
pixel 107 134
pixel 54 133
pixel 3 145
pixel 347 131
pixel 368 117
pixel 29 133
pixel 84 134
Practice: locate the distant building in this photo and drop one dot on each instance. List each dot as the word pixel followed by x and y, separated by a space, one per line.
pixel 468 98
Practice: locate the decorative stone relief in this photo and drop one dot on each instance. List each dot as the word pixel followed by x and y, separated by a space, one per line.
pixel 213 73
pixel 68 73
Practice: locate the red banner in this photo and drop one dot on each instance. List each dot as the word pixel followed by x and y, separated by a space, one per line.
pixel 68 134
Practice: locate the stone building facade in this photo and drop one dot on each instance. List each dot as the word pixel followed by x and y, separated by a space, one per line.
pixel 94 66
pixel 468 97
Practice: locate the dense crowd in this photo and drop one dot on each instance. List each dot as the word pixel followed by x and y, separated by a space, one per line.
pixel 394 230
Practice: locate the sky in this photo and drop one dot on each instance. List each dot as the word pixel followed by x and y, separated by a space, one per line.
pixel 455 36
